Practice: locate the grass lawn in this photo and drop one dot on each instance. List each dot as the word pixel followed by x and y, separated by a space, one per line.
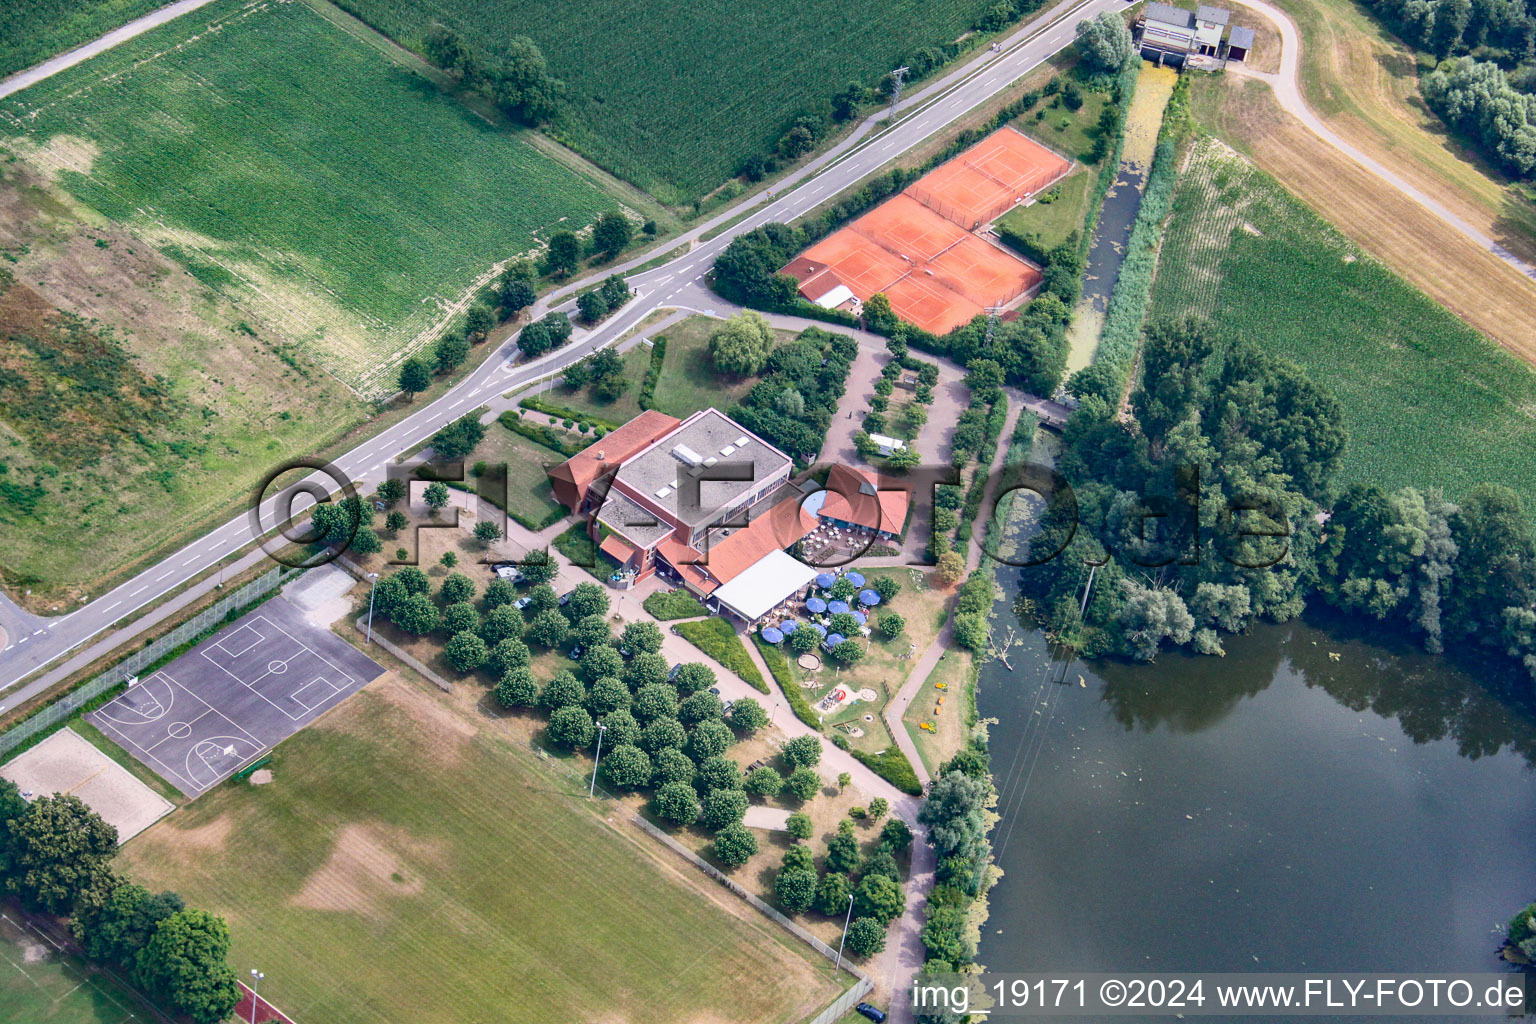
pixel 1428 401
pixel 716 638
pixel 529 496
pixel 674 604
pixel 1052 223
pixel 721 80
pixel 40 986
pixel 688 379
pixel 1070 132
pixel 950 730
pixel 415 857
pixel 623 409
pixel 38 29
pixel 348 207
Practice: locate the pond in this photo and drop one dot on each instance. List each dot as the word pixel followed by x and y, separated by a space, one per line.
pixel 1313 801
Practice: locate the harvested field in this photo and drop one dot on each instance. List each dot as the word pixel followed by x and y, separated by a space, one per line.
pixel 1428 401
pixel 1483 290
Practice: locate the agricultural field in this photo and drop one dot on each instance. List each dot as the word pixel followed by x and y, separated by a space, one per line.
pixel 354 210
pixel 38 29
pixel 1428 401
pixel 673 95
pixel 414 852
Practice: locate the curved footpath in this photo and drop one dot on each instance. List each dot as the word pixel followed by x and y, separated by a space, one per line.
pixel 1287 89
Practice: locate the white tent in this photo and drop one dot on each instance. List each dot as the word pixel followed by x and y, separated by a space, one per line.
pixel 756 591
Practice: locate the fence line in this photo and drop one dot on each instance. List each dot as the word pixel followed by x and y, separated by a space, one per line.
pixel 839 1006
pixel 215 614
pixel 405 656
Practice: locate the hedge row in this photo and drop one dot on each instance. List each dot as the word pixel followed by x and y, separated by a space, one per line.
pixel 778 665
pixel 546 435
pixel 538 404
pixel 892 766
pixel 717 639
pixel 652 373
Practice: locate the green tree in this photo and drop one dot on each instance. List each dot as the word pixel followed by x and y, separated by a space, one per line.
pixel 564 254
pixel 449 352
pixel 366 542
pixel 886 587
pixel 517 689
pixel 456 587
pixel 676 802
pixel 718 772
pixel 702 706
pixel 627 767
pixel 949 569
pixel 866 937
pixel 897 834
pixel 515 296
pixel 571 727
pixel 591 307
pixel 478 323
pixel 832 894
pixel 458 438
pixel 507 655
pixel 615 292
pixel 502 622
pixel 802 751
pixel 723 807
pixel 548 629
pixel 599 659
pixel 672 765
pixel 662 734
pixel 891 625
pixel 804 641
pixel 842 853
pixel 943 935
pixel 795 889
pixel 436 496
pixel 459 617
pixel 741 345
pixel 607 694
pixel 563 690
pixel 622 728
pixel 708 739
pixel 692 677
pixel 417 615
pixel 185 965
pixel 545 334
pixel 764 781
pixel 449 560
pixel 487 532
pixel 954 812
pixel 641 637
pixel 611 233
pixel 846 653
pixel 799 825
pixel 654 701
pixel 747 716
pixel 415 377
pixel 538 566
pixel 647 670
pixel 804 783
pixel 123 925
pixel 500 592
pixel 878 807
pixel 465 651
pixel 880 898
pixel 586 599
pixel 735 845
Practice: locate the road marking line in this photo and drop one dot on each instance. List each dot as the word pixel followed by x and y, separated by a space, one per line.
pixel 35 632
pixel 109 607
pixel 23 640
pixel 140 590
pixel 9 646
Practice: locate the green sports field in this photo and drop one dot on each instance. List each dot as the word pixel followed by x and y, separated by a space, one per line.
pixel 414 861
pixel 1428 401
pixel 38 986
pixel 333 190
pixel 672 94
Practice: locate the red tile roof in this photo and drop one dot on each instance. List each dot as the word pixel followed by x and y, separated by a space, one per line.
pixel 617 548
pixel 885 510
pixel 774 530
pixel 614 448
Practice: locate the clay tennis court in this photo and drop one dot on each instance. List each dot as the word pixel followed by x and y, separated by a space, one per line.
pixel 919 249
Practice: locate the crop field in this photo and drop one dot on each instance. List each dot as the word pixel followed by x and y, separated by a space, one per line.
pixel 671 94
pixel 1428 401
pixel 413 860
pixel 334 192
pixel 38 29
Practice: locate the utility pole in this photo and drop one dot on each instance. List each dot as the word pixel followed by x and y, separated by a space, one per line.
pixel 256 977
pixel 839 965
pixel 601 728
pixel 897 79
pixel 374 577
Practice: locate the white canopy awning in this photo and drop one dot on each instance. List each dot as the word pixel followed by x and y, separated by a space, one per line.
pixel 754 592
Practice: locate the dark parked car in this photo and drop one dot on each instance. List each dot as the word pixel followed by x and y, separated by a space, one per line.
pixel 878 1016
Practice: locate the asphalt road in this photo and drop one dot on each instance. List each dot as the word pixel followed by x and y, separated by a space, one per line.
pixel 34 641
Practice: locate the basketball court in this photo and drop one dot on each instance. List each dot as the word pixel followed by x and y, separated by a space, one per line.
pixel 924 250
pixel 201 718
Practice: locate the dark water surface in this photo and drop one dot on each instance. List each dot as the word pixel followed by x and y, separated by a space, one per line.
pixel 1273 810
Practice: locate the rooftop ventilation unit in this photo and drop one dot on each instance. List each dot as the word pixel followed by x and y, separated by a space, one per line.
pixel 711 461
pixel 695 471
pixel 740 442
pixel 728 449
pixel 687 455
pixel 662 492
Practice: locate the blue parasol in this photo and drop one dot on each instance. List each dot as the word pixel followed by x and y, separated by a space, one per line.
pixel 857 579
pixel 834 639
pixel 868 598
pixel 860 618
pixel 788 626
pixel 815 605
pixel 837 607
pixel 825 579
pixel 772 635
pixel 818 627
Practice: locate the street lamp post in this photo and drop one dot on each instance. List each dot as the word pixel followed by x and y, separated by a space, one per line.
pixel 839 965
pixel 601 728
pixel 374 577
pixel 256 977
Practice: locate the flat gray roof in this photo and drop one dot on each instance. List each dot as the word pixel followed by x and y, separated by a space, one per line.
pixel 708 440
pixel 1242 36
pixel 1214 15
pixel 1168 14
pixel 630 521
